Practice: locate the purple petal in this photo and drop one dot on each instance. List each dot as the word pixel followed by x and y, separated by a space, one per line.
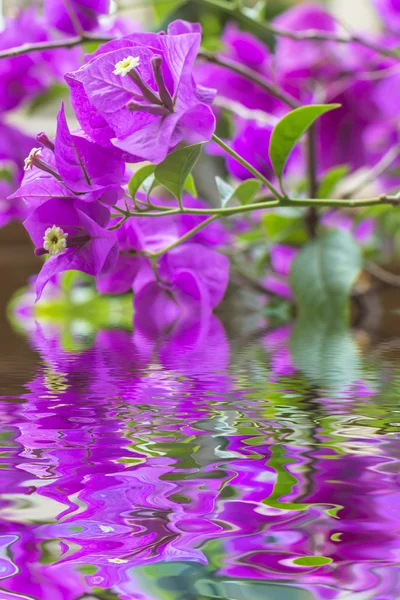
pixel 210 266
pixel 282 257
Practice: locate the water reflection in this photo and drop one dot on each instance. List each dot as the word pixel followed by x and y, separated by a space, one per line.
pixel 169 467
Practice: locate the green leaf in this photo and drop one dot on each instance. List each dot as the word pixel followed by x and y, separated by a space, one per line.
pixel 246 191
pixel 190 186
pixel 325 270
pixel 322 277
pixel 312 561
pixel 225 191
pixel 139 178
pixel 330 180
pixel 323 348
pixel 173 172
pixel 284 225
pixel 290 129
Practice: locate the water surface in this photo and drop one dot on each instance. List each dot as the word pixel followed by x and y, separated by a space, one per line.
pixel 188 466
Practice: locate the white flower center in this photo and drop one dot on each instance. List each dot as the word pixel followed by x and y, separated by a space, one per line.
pixel 55 240
pixel 127 64
pixel 28 162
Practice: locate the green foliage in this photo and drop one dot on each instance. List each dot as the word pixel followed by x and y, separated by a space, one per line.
pixel 225 191
pixel 331 180
pixel 162 8
pixel 77 311
pixel 325 351
pixel 284 225
pixel 289 130
pixel 139 178
pixel 190 185
pixel 55 93
pixel 173 172
pixel 322 277
pixel 244 193
pixel 324 272
pixel 312 561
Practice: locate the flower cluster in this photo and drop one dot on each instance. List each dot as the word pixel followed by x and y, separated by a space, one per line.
pixel 137 98
pixel 131 88
pixel 138 94
pixel 364 82
pixel 29 76
pixel 69 187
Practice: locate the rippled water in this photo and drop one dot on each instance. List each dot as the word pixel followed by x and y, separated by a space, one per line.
pixel 188 467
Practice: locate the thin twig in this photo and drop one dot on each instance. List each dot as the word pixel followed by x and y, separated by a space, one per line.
pixel 70 42
pixel 74 19
pixel 382 275
pixel 312 35
pixel 311 217
pixel 249 114
pixel 250 76
pixel 184 238
pixel 374 173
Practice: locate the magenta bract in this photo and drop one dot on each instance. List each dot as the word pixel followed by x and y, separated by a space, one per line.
pixel 144 110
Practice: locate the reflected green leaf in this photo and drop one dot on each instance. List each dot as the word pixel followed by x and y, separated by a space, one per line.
pixel 312 561
pixel 325 351
pixel 322 277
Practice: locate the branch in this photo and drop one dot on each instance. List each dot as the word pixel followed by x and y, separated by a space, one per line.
pixel 305 36
pixel 374 173
pixel 382 275
pixel 247 166
pixel 251 76
pixel 54 44
pixel 311 218
pixel 184 238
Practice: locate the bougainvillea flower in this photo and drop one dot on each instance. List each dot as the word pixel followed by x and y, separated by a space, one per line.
pixel 133 271
pixel 362 231
pixel 282 257
pixel 86 13
pixel 74 239
pixel 14 146
pixel 26 76
pixel 309 59
pixel 139 94
pixel 10 210
pixel 71 166
pixel 389 11
pixel 191 280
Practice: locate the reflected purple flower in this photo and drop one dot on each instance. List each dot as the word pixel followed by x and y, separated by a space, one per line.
pixel 145 451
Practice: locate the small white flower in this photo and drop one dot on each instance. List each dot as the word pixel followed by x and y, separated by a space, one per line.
pixel 106 528
pixel 55 240
pixel 127 64
pixel 28 162
pixel 117 561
